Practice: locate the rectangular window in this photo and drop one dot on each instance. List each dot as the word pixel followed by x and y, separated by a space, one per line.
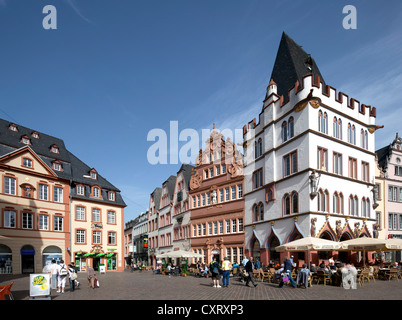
pixel 240 191
pixel 199 229
pixel 27 220
pixel 203 199
pixel 58 194
pixel 234 225
pixel 215 227
pixel 9 219
pixel 220 227
pixel 227 226
pixel 112 238
pixel 9 186
pixel 111 217
pixel 234 255
pixel 241 254
pixel 96 237
pixel 58 223
pixel 398 170
pixel 43 192
pixel 27 162
pixel 223 168
pixel 227 194
pixel 208 198
pixel 96 216
pixel 365 171
pixel 352 168
pixel 43 222
pixel 204 229
pixel 194 230
pixel 194 201
pixel 221 197
pixel 80 190
pixel 337 163
pixel 322 159
pixel 80 213
pixel 112 196
pixel 233 192
pixel 80 236
pixel 392 193
pixel 218 170
pixel 198 200
pixel 290 164
pixel 240 224
pixel 257 179
pixel 210 228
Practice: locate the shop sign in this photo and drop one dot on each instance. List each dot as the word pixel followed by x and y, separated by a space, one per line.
pixel 39 284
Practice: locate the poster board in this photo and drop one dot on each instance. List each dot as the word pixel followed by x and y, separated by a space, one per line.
pixel 39 284
pixel 102 269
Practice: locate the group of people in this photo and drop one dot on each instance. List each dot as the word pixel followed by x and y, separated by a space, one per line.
pixel 61 272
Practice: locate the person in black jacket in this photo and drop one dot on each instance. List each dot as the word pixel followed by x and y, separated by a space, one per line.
pixel 249 268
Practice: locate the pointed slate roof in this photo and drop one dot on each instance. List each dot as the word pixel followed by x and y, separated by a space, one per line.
pixel 292 63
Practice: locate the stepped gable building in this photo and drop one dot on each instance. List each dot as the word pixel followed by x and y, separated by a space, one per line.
pixel 217 203
pixel 54 206
pixel 181 209
pixel 389 193
pixel 309 161
pixel 153 222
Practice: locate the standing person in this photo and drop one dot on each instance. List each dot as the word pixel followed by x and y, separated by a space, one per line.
pixel 63 272
pixel 245 260
pixel 249 269
pixel 287 266
pixel 257 264
pixel 72 276
pixel 54 273
pixel 214 268
pixel 76 271
pixel 91 277
pixel 226 266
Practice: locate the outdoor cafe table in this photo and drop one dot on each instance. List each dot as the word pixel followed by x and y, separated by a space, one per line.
pixel 383 272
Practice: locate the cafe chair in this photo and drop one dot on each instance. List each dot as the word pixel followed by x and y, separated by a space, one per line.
pixel 6 290
pixel 322 276
pixel 393 273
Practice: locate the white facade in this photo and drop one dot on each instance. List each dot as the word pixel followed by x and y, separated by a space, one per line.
pixel 312 142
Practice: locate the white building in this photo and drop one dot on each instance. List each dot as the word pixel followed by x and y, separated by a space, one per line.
pixel 306 128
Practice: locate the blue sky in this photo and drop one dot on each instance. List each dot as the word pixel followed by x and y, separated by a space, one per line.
pixel 114 70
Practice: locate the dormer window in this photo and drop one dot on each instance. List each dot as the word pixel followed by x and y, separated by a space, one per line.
pixel 13 127
pixel 80 190
pixel 35 135
pixel 111 196
pixel 25 140
pixel 56 165
pixel 93 174
pixel 54 148
pixel 96 192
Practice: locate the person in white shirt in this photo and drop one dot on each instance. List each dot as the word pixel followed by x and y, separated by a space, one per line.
pixel 53 272
pixel 63 272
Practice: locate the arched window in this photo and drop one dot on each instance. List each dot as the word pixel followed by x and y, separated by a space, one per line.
pixel 325 124
pixel 336 202
pixel 295 202
pixel 340 128
pixel 286 204
pixel 255 150
pixel 335 128
pixel 259 145
pixel 362 139
pixel 368 208
pixel 326 201
pixel 291 127
pixel 255 213
pixel 261 209
pixel 353 135
pixel 363 207
pixel 351 206
pixel 284 131
pixel 366 139
pixel 349 133
pixel 320 121
pixel 320 200
pixel 341 203
pixel 356 206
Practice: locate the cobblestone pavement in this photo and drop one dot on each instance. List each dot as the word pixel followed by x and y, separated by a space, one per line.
pixel 145 285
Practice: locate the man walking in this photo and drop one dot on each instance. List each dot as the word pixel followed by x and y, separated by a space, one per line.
pixel 249 268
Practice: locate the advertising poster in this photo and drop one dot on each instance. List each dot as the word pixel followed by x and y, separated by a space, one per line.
pixel 39 284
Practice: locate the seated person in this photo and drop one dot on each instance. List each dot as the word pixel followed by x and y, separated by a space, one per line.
pixel 303 276
pixel 332 267
pixel 323 267
pixel 279 271
pixel 313 268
